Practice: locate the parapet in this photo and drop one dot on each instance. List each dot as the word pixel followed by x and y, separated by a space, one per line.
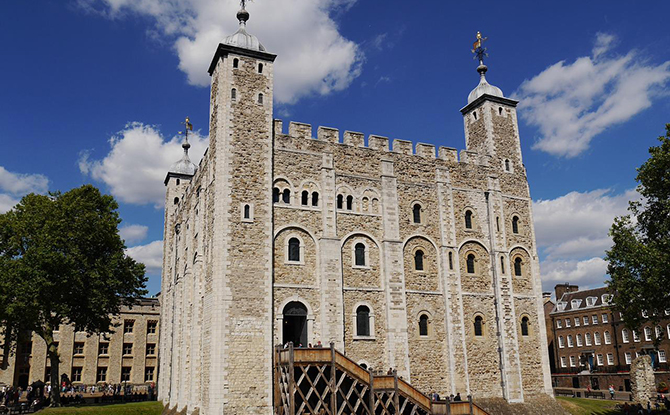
pixel 298 130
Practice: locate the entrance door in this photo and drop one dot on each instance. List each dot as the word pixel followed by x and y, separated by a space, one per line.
pixel 295 324
pixel 575 382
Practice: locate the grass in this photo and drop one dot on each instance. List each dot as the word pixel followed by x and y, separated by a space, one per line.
pixel 579 406
pixel 141 408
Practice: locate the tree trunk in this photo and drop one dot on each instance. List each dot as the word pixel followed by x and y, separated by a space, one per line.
pixel 55 381
pixel 52 354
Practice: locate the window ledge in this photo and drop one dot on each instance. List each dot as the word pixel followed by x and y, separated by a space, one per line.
pixel 294 263
pixel 369 338
pixel 361 267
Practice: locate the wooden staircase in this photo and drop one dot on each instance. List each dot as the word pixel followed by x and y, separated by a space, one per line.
pixel 323 381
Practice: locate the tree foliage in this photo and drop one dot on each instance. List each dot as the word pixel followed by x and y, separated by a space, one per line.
pixel 62 261
pixel 639 260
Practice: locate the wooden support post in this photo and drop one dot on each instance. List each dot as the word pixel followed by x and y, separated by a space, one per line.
pixel 333 380
pixel 471 408
pixel 291 381
pixel 396 397
pixel 371 393
pixel 448 406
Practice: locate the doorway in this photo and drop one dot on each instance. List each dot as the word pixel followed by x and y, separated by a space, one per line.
pixel 295 324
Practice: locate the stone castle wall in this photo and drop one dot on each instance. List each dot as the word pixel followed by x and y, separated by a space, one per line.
pixel 227 278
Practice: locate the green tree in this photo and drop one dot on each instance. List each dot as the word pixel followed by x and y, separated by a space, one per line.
pixel 62 262
pixel 639 260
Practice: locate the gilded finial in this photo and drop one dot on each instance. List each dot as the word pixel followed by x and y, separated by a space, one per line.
pixel 187 127
pixel 478 48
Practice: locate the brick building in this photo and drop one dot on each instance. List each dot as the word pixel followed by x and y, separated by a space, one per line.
pixel 592 347
pixel 401 257
pixel 129 354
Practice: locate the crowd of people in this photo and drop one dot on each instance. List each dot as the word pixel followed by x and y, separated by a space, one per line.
pixel 37 395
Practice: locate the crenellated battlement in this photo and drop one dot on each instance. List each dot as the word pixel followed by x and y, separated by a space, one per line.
pixel 298 130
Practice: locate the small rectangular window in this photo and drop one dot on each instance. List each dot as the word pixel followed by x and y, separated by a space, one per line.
pixel 127 348
pixel 76 374
pixel 573 361
pixel 559 324
pixel 151 327
pixel 125 374
pixel 610 359
pixel 576 321
pixel 599 359
pixel 128 326
pixel 605 318
pixel 629 358
pixel 148 374
pixel 594 318
pixel 661 356
pixel 103 348
pixel 78 348
pixel 102 374
pixel 567 322
pixel 151 349
pixel 563 362
pixel 585 320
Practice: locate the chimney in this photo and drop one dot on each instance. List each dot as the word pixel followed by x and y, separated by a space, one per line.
pixel 564 288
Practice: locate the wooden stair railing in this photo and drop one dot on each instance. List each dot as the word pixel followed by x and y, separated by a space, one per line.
pixel 323 381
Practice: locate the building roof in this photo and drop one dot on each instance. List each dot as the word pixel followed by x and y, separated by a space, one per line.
pixel 241 38
pixel 484 88
pixel 580 298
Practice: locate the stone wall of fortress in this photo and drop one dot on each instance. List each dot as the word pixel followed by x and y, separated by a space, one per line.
pixel 227 278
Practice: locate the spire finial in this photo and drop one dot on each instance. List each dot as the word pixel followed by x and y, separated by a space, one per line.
pixel 243 14
pixel 187 127
pixel 480 52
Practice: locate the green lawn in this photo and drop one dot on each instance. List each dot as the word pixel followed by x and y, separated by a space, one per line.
pixel 579 406
pixel 141 408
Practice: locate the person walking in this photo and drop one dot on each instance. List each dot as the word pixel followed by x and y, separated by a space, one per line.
pixel 611 388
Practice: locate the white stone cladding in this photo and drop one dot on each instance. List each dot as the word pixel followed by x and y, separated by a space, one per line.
pixel 227 278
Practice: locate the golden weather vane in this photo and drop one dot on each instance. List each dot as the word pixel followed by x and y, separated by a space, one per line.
pixel 478 48
pixel 187 127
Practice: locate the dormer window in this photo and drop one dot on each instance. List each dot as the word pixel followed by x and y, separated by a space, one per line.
pixel 560 306
pixel 575 303
pixel 605 298
pixel 591 301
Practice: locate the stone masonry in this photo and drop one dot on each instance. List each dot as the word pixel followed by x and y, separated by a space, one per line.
pixel 401 257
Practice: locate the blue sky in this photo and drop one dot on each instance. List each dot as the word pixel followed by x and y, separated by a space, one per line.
pixel 93 91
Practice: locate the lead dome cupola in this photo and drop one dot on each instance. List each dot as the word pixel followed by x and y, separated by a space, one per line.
pixel 241 38
pixel 484 87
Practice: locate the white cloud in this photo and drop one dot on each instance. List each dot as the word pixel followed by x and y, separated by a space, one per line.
pixel 572 235
pixel 575 223
pixel 587 273
pixel 151 255
pixel 133 233
pixel 313 57
pixel 139 159
pixel 15 185
pixel 571 103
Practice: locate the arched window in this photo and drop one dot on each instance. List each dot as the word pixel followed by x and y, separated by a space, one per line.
pixel 497 223
pixel 294 249
pixel 451 260
pixel 517 267
pixel 468 219
pixel 315 199
pixel 502 264
pixel 362 321
pixel 359 254
pixel 236 63
pixel 340 200
pixel 416 213
pixel 178 181
pixel 260 68
pixel 524 326
pixel 479 322
pixel 247 211
pixel 423 325
pixel 286 196
pixel 418 260
pixel 260 98
pixel 176 200
pixel 499 110
pixel 350 202
pixel 625 336
pixel 506 165
pixel 470 262
pixel 275 195
pixel 305 197
pixel 233 94
pixel 515 224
